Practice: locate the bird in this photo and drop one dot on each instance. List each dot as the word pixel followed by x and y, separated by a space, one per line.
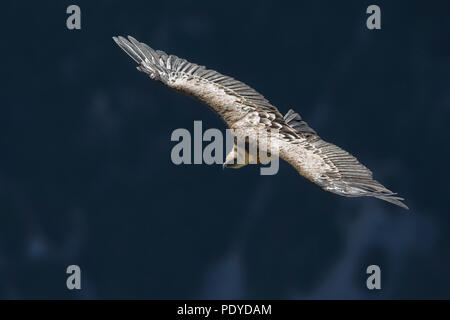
pixel 247 112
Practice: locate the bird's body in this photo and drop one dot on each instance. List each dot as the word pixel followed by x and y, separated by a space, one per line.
pixel 252 116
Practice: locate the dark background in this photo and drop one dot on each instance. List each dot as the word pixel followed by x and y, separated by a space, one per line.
pixel 86 176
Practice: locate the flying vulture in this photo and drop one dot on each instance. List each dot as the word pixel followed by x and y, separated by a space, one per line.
pixel 251 115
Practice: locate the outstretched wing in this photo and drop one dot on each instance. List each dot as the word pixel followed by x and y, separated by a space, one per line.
pixel 332 168
pixel 230 98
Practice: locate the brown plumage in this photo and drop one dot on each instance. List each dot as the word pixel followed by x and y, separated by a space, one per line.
pixel 244 109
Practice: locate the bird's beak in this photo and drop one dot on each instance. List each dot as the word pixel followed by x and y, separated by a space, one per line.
pixel 227 165
pixel 231 165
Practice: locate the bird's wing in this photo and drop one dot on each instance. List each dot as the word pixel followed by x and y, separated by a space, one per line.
pixel 327 165
pixel 230 98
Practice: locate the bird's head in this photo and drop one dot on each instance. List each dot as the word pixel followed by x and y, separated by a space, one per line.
pixel 232 165
pixel 231 160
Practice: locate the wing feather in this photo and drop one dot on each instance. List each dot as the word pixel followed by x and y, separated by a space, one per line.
pixel 199 82
pixel 332 168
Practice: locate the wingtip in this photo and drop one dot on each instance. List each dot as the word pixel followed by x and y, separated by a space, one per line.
pixel 122 39
pixel 399 202
pixel 402 205
pixel 132 39
pixel 119 40
pixel 394 200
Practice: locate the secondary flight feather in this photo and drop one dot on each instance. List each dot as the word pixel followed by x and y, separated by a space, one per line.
pixel 247 111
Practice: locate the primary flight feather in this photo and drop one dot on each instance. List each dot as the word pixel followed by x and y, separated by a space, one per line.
pixel 247 111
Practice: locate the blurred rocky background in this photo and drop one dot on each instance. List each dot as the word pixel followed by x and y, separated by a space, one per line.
pixel 86 176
